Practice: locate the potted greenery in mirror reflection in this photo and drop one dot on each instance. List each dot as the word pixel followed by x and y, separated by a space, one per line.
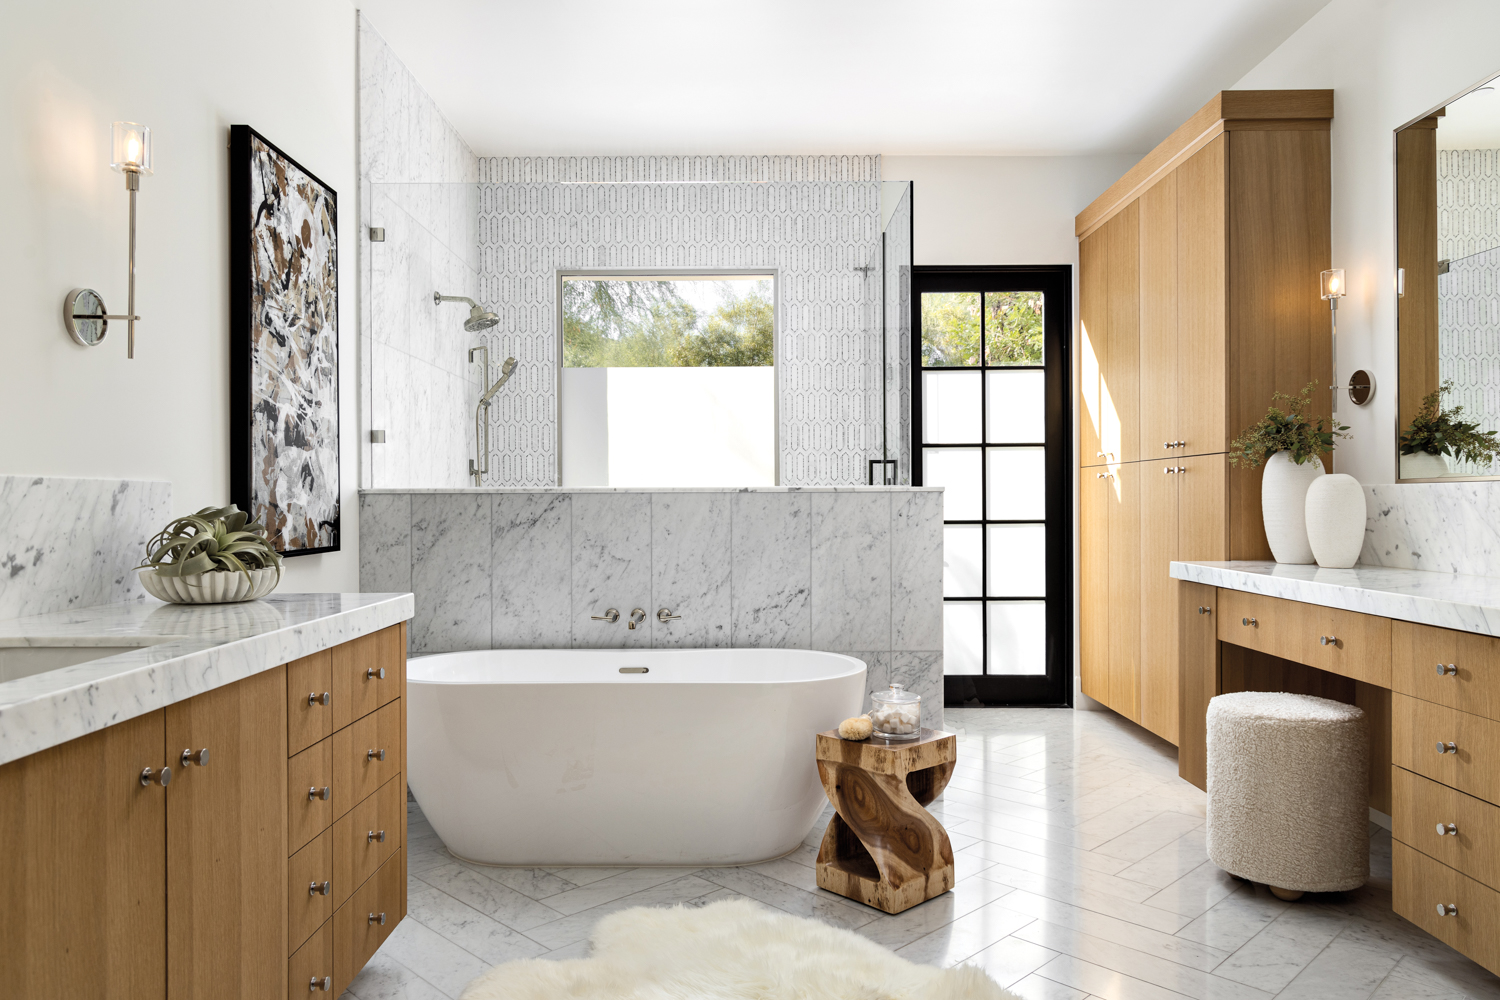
pixel 1435 433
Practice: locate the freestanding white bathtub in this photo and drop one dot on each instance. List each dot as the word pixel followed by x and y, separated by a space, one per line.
pixel 616 757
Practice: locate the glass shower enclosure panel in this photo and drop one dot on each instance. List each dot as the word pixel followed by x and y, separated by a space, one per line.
pixel 896 260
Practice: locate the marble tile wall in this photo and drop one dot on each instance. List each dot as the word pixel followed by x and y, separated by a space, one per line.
pixel 851 570
pixel 74 543
pixel 1441 527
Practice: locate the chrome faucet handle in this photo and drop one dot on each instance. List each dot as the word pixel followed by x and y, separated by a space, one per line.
pixel 634 621
pixel 610 616
pixel 665 615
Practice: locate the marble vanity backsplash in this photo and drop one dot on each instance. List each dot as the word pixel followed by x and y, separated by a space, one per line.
pixel 74 543
pixel 1441 527
pixel 855 570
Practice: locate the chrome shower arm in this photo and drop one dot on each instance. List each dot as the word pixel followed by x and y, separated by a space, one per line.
pixel 438 298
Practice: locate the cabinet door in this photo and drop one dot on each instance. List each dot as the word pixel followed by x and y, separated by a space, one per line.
pixel 226 841
pixel 1160 391
pixel 1093 284
pixel 1202 250
pixel 1093 583
pixel 1119 373
pixel 1159 490
pixel 1203 509
pixel 83 870
pixel 1123 499
pixel 1197 677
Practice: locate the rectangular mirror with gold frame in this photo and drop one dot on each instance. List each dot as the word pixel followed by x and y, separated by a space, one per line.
pixel 1448 290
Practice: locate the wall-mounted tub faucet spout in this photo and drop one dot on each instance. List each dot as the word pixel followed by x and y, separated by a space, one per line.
pixel 634 621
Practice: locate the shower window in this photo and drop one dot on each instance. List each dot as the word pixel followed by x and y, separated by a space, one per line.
pixel 667 379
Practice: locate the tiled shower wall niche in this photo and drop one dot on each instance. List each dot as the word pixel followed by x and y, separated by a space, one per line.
pixel 853 570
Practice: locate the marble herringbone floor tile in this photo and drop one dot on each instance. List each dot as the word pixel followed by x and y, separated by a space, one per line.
pixel 1082 875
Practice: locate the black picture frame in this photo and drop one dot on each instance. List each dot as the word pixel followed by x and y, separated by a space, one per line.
pixel 276 441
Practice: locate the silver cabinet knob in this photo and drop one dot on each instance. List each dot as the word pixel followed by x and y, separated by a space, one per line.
pixel 199 757
pixel 374 755
pixel 319 888
pixel 665 615
pixel 1098 475
pixel 1447 910
pixel 1447 747
pixel 1205 611
pixel 1168 444
pixel 611 616
pixel 317 793
pixel 1328 640
pixel 375 674
pixel 314 698
pixel 1249 621
pixel 325 984
pixel 162 777
pixel 375 837
pixel 1168 470
pixel 378 918
pixel 1447 829
pixel 1447 670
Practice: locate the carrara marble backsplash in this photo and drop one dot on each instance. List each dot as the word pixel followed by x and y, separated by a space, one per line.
pixel 1442 527
pixel 855 570
pixel 74 543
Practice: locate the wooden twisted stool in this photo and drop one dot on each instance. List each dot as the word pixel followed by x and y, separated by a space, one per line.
pixel 882 847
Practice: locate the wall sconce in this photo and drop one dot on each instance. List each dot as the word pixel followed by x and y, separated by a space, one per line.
pixel 84 313
pixel 1331 286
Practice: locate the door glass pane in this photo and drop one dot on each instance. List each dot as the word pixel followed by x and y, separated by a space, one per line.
pixel 1018 560
pixel 950 408
pixel 1018 407
pixel 950 329
pixel 1013 328
pixel 963 638
pixel 962 565
pixel 1017 637
pixel 1017 486
pixel 956 469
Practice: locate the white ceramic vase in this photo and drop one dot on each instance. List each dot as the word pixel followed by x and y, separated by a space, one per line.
pixel 1335 520
pixel 1283 506
pixel 1423 466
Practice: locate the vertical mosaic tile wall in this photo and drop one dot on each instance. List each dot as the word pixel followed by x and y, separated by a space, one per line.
pixel 816 219
pixel 1468 297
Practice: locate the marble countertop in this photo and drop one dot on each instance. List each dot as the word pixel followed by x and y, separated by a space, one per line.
pixel 194 648
pixel 1447 600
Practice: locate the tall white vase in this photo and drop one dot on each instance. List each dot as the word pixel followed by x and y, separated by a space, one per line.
pixel 1283 506
pixel 1336 520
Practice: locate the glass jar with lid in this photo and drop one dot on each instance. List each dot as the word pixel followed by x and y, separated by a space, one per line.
pixel 896 714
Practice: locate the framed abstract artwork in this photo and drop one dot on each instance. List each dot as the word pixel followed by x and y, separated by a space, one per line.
pixel 284 346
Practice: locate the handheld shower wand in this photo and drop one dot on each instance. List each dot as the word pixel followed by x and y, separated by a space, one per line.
pixel 479 467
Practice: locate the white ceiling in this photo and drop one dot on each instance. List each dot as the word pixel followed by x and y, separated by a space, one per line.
pixel 819 76
pixel 1472 121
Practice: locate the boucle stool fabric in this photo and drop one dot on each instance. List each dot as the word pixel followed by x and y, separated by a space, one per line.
pixel 1288 800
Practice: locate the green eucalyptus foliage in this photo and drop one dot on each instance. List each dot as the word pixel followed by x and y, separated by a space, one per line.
pixel 1290 430
pixel 215 538
pixel 1437 431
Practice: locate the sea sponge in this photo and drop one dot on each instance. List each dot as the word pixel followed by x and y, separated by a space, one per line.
pixel 857 728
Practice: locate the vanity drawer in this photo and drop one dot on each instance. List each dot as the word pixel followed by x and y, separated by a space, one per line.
pixel 1358 646
pixel 307 906
pixel 356 773
pixel 366 836
pixel 1418 650
pixel 1341 642
pixel 1420 885
pixel 1268 624
pixel 308 686
pixel 357 929
pixel 310 794
pixel 1420 805
pixel 1417 727
pixel 357 668
pixel 311 962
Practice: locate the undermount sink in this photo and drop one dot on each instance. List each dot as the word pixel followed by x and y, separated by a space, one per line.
pixel 24 657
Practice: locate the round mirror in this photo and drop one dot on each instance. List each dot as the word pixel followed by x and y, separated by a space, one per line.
pixel 83 315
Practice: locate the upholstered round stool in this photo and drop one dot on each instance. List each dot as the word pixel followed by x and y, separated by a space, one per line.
pixel 1288 804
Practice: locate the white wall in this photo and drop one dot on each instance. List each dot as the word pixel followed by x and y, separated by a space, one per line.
pixel 1388 63
pixel 188 70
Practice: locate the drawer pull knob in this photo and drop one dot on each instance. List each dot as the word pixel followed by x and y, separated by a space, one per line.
pixel 1447 829
pixel 1447 910
pixel 1448 670
pixel 375 674
pixel 375 837
pixel 318 793
pixel 1249 621
pixel 375 755
pixel 325 984
pixel 1205 611
pixel 1447 747
pixel 378 918
pixel 199 757
pixel 313 698
pixel 162 777
pixel 1328 640
pixel 319 888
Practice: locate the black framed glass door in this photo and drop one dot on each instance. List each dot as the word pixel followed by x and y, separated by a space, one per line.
pixel 991 418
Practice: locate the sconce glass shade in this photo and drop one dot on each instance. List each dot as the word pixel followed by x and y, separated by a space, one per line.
pixel 1331 283
pixel 131 150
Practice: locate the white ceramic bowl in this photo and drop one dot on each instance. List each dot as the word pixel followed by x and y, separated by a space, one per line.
pixel 217 587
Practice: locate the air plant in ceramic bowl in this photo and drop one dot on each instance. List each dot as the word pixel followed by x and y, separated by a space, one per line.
pixel 216 556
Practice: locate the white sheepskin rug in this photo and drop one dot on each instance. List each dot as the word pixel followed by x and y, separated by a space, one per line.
pixel 730 950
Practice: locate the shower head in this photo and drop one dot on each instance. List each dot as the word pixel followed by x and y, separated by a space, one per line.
pixel 478 318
